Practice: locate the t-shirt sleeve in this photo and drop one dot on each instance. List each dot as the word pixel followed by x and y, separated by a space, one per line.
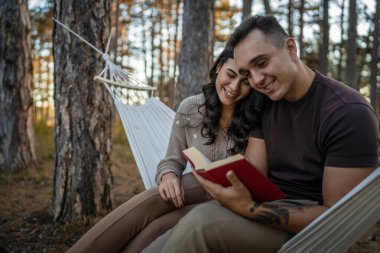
pixel 350 137
pixel 257 132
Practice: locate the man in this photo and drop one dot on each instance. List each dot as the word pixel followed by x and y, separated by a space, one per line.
pixel 318 140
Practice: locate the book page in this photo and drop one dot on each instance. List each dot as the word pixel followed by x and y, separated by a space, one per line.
pixel 198 160
pixel 219 163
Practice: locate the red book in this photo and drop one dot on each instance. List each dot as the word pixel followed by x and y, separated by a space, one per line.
pixel 260 187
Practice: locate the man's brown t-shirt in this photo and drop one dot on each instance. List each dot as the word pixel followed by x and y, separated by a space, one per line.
pixel 332 125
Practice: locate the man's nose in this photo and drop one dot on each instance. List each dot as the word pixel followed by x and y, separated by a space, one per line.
pixel 257 78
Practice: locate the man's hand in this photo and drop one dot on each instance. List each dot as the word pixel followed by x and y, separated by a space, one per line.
pixel 235 197
pixel 171 189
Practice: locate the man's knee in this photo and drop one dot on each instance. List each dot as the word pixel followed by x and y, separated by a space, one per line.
pixel 202 214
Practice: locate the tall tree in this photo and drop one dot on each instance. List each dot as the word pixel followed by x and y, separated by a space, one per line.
pixel 247 8
pixel 351 46
pixel 301 24
pixel 116 32
pixel 290 18
pixel 268 9
pixel 16 128
pixel 153 47
pixel 342 42
pixel 323 59
pixel 175 60
pixel 83 111
pixel 195 56
pixel 375 56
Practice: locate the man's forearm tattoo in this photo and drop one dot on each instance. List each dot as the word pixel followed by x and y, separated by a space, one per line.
pixel 253 207
pixel 274 214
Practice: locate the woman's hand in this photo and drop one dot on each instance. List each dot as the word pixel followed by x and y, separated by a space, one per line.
pixel 171 189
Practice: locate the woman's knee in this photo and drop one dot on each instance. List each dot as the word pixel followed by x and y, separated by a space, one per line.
pixel 194 192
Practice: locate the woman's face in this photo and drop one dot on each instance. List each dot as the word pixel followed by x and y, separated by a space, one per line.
pixel 230 86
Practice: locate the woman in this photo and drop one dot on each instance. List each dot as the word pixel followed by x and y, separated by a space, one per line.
pixel 217 122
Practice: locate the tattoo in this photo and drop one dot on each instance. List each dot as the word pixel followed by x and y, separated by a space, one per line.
pixel 274 214
pixel 254 207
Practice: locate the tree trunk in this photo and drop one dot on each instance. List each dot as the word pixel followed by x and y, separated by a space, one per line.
pixel 153 47
pixel 195 55
pixel 144 38
pixel 290 18
pixel 351 46
pixel 375 57
pixel 83 111
pixel 342 43
pixel 323 59
pixel 301 23
pixel 16 102
pixel 268 9
pixel 172 93
pixel 247 8
pixel 116 35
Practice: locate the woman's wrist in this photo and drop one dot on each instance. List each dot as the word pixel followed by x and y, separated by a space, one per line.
pixel 169 174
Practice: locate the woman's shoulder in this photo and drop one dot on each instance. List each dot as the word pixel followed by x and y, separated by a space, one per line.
pixel 190 103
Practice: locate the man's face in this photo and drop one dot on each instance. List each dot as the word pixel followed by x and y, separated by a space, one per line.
pixel 270 70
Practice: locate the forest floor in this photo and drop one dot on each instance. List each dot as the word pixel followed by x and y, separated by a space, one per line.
pixel 26 224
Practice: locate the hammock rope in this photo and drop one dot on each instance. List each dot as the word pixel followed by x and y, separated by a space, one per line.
pixel 120 83
pixel 147 121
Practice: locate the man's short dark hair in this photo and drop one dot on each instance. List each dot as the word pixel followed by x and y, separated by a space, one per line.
pixel 268 25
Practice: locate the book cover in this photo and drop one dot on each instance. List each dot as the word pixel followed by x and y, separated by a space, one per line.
pixel 260 187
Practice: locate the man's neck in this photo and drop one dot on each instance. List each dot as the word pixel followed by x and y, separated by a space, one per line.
pixel 302 82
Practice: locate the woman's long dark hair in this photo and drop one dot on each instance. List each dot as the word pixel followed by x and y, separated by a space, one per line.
pixel 246 115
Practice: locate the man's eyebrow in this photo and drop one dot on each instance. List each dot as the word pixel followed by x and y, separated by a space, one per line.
pixel 257 58
pixel 252 62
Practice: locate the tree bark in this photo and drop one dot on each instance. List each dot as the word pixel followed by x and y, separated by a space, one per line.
pixel 351 46
pixel 172 93
pixel 83 111
pixel 325 29
pixel 268 9
pixel 290 18
pixel 196 50
pixel 375 57
pixel 301 23
pixel 16 102
pixel 153 47
pixel 116 35
pixel 342 43
pixel 247 8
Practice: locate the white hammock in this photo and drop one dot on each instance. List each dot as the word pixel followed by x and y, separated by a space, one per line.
pixel 148 128
pixel 342 224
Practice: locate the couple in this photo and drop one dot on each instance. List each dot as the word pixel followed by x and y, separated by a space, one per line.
pixel 315 138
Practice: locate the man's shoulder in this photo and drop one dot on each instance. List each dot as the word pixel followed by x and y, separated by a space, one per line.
pixel 332 96
pixel 337 92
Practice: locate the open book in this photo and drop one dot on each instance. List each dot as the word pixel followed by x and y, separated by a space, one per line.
pixel 260 187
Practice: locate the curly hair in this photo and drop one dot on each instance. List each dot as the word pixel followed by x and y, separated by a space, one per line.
pixel 246 115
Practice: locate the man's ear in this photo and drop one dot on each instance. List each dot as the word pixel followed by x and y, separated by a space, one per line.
pixel 291 45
